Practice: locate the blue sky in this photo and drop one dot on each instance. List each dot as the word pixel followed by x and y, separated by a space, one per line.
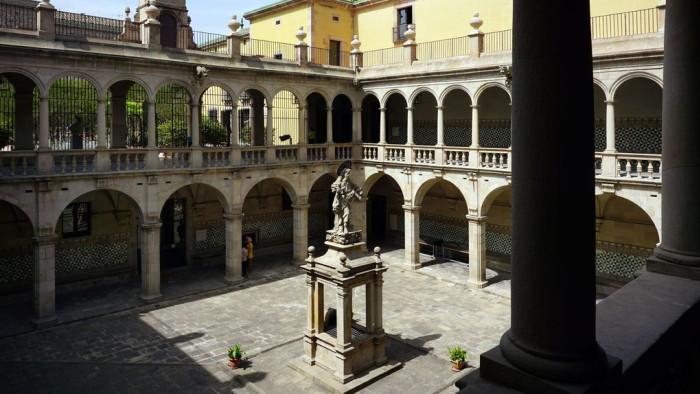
pixel 207 15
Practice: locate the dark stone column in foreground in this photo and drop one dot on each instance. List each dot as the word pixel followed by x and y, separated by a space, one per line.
pixel 679 251
pixel 552 336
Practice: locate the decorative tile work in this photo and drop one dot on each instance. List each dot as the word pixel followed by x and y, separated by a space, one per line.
pixel 458 132
pixel 449 230
pixel 638 135
pixel 425 132
pixel 399 139
pixel 497 243
pixel 618 264
pixel 318 223
pixel 494 133
pixel 271 228
pixel 216 239
pixel 91 254
pixel 16 265
pixel 599 135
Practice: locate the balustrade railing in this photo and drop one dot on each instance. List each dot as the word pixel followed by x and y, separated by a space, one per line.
pixel 382 56
pixel 19 17
pixel 216 157
pixel 128 160
pixel 450 47
pixel 395 154
pixel 174 158
pixel 268 49
pixel 253 156
pixel 646 167
pixel 370 153
pixel 495 158
pixel 88 26
pixel 498 41
pixel 17 164
pixel 456 157
pixel 286 154
pixel 74 162
pixel 625 23
pixel 206 42
pixel 424 155
pixel 316 153
pixel 343 152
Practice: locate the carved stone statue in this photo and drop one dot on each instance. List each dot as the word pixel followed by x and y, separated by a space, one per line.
pixel 345 192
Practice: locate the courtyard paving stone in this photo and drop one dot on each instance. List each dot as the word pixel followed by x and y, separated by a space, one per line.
pixel 179 344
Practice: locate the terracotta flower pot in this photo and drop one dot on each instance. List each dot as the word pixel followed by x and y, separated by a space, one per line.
pixel 458 365
pixel 234 362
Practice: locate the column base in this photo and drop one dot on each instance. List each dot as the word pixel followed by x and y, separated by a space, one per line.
pixel 655 264
pixel 477 284
pixel 151 298
pixel 234 280
pixel 495 367
pixel 43 322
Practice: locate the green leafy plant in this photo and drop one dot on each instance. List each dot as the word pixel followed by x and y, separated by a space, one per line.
pixel 213 132
pixel 235 352
pixel 457 354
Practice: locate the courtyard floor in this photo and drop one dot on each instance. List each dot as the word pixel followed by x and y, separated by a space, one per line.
pixel 106 340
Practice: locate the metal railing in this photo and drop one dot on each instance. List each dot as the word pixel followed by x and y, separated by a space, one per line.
pixel 208 42
pixel 17 17
pixel 329 57
pixel 81 25
pixel 268 49
pixel 625 23
pixel 439 49
pixel 498 41
pixel 383 56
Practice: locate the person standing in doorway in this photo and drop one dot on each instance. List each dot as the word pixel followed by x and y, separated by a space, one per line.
pixel 249 247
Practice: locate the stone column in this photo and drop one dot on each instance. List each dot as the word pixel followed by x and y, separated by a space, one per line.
pixel 477 251
pixel 234 245
pixel 151 133
pixel 102 124
pixel 440 126
pixel 357 124
pixel 44 280
pixel 409 125
pixel 475 126
pixel 301 231
pixel 303 131
pixel 343 310
pixel 194 130
pixel 552 334
pixel 610 126
pixel 679 250
pixel 411 235
pixel 235 132
pixel 118 124
pixel 382 125
pixel 150 261
pixel 329 125
pixel 44 123
pixel 269 133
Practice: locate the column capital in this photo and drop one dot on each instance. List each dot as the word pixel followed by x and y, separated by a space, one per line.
pixel 356 109
pixel 410 109
pixel 45 239
pixel 269 106
pixel 475 106
pixel 440 107
pixel 303 107
pixel 329 109
pixel 152 226
pixel 382 109
pixel 476 218
pixel 301 206
pixel 410 208
pixel 234 216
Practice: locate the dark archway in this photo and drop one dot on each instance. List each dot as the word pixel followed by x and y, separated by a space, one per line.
pixel 316 118
pixel 371 118
pixel 168 30
pixel 457 118
pixel 396 119
pixel 638 116
pixel 385 215
pixel 425 119
pixel 494 118
pixel 19 112
pixel 342 119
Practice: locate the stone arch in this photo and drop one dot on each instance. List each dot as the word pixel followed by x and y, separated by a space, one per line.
pixel 396 117
pixel 216 115
pixel 267 206
pixel 384 210
pixel 288 187
pixel 600 96
pixel 285 126
pixel 457 116
pixel 128 127
pixel 38 83
pixel 493 101
pixel 19 104
pixel 490 196
pixel 604 88
pixel 173 115
pixel 320 92
pixel 424 187
pixel 16 247
pixel 416 92
pixel 193 189
pixel 295 92
pixel 636 74
pixel 480 91
pixel 183 84
pixel 259 88
pixel 53 214
pixel 371 118
pixel 317 117
pixel 320 199
pixel 132 78
pixel 638 102
pixel 19 211
pixel 78 74
pixel 73 111
pixel 390 93
pixel 376 176
pixel 445 92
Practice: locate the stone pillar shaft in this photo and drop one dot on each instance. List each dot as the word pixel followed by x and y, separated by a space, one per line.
pixel 24 121
pixel 195 108
pixel 301 231
pixel 234 246
pixel 552 331
pixel 610 126
pixel 411 235
pixel 44 123
pixel 102 125
pixel 475 126
pixel 152 124
pixel 44 280
pixel 118 119
pixel 679 249
pixel 303 131
pixel 409 126
pixel 477 251
pixel 269 130
pixel 382 125
pixel 440 126
pixel 235 131
pixel 357 125
pixel 150 261
pixel 329 125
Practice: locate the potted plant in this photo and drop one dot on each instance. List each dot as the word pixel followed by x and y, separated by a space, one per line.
pixel 458 357
pixel 234 355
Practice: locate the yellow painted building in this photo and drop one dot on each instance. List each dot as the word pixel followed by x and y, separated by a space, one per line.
pixel 381 23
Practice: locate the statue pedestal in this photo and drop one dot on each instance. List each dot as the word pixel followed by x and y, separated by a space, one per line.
pixel 337 350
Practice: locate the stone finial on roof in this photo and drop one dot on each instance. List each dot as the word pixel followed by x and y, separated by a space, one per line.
pixel 152 11
pixel 234 24
pixel 355 44
pixel 410 35
pixel 301 35
pixel 476 22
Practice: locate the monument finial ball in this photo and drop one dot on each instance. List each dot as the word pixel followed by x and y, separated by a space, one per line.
pixel 377 249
